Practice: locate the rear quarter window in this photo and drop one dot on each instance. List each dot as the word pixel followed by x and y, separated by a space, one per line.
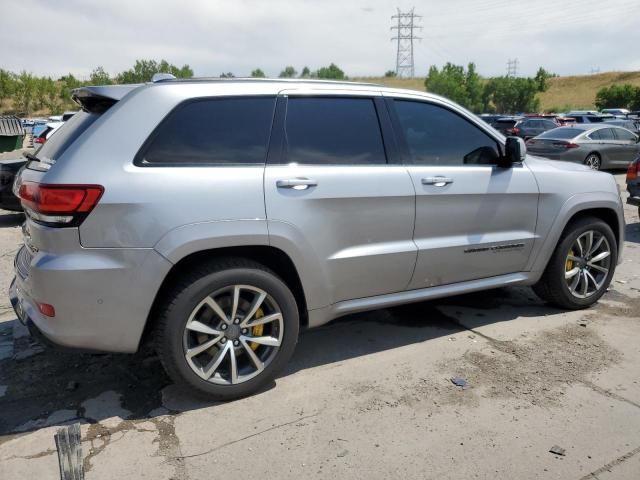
pixel 212 131
pixel 68 133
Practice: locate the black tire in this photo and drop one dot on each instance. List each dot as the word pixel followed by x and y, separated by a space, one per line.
pixel 190 290
pixel 593 161
pixel 552 287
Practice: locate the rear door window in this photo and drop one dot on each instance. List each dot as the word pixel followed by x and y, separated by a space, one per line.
pixel 333 131
pixel 606 134
pixel 212 131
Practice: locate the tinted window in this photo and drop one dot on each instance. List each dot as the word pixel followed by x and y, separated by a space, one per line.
pixel 214 131
pixel 606 134
pixel 594 119
pixel 595 135
pixel 437 136
pixel 624 134
pixel 548 124
pixel 562 133
pixel 337 131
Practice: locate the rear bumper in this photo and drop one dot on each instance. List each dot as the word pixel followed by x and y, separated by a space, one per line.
pixel 102 297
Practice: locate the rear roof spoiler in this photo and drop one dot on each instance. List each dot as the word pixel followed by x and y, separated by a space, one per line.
pixel 99 99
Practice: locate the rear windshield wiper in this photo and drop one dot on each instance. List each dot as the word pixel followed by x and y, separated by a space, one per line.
pixel 34 163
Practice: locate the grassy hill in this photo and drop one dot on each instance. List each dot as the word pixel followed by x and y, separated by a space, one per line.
pixel 564 93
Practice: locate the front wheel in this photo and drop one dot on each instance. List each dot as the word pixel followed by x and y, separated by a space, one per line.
pixel 227 329
pixel 581 267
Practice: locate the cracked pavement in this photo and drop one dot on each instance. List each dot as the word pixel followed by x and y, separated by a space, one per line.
pixel 368 396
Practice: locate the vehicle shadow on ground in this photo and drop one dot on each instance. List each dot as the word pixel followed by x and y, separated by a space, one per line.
pixel 10 219
pixel 51 380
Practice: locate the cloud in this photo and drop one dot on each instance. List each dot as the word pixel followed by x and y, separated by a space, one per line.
pixel 215 36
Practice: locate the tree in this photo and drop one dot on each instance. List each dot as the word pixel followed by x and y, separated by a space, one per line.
pixel 306 73
pixel 473 88
pixel 288 72
pixel 24 92
pixel 511 95
pixel 99 77
pixel 257 73
pixel 542 79
pixel 67 84
pixel 453 82
pixel 618 96
pixel 7 84
pixel 227 75
pixel 390 74
pixel 143 71
pixel 332 72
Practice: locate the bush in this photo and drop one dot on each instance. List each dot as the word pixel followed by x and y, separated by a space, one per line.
pixel 619 96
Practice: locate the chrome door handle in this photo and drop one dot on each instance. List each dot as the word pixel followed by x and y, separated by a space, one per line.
pixel 296 183
pixel 437 181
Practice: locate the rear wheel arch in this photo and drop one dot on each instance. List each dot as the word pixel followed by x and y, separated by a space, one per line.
pixel 272 258
pixel 597 154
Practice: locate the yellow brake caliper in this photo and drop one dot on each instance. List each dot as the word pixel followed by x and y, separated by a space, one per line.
pixel 568 266
pixel 257 330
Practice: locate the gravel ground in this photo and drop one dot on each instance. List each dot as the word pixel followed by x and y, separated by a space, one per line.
pixel 368 396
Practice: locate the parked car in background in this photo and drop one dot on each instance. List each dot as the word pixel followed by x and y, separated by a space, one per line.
pixel 505 124
pixel 588 117
pixel 633 184
pixel 629 124
pixel 49 130
pixel 597 146
pixel 234 213
pixel 8 171
pixel 531 127
pixel 39 125
pixel 616 112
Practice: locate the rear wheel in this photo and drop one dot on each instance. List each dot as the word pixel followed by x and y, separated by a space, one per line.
pixel 227 329
pixel 593 161
pixel 581 267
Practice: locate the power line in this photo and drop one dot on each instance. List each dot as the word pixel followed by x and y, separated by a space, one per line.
pixel 512 67
pixel 405 26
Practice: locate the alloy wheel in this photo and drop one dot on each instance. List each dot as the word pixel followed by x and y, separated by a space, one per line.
pixel 593 162
pixel 587 264
pixel 233 334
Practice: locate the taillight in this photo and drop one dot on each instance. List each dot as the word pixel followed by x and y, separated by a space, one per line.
pixel 633 171
pixel 39 140
pixel 59 205
pixel 566 145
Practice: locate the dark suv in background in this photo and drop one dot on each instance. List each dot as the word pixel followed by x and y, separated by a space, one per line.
pixel 531 127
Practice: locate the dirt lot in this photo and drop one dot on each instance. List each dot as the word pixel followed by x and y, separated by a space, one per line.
pixel 368 396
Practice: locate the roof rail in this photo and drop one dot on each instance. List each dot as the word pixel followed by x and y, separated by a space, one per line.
pixel 159 77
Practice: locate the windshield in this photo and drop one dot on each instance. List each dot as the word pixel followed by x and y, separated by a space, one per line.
pixel 561 133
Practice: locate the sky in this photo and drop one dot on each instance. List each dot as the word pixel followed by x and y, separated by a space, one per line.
pixel 567 37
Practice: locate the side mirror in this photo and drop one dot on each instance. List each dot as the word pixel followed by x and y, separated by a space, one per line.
pixel 515 151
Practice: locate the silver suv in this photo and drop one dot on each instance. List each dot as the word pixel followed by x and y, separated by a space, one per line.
pixel 219 217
